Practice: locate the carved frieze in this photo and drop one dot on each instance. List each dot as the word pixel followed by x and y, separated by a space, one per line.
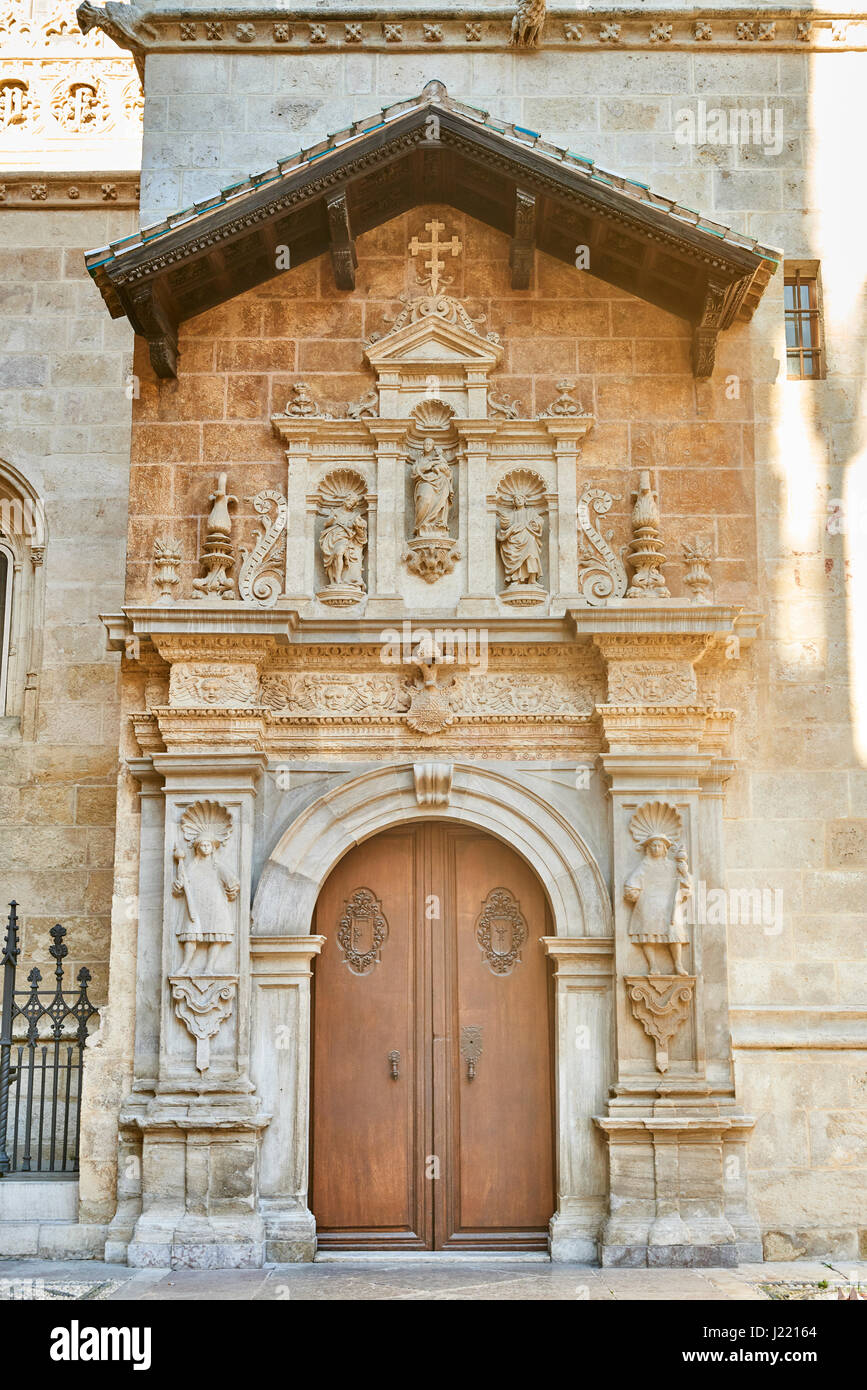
pixel 336 695
pixel 651 683
pixel 487 693
pixel 219 684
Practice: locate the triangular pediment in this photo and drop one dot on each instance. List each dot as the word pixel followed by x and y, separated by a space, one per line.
pixel 320 200
pixel 434 339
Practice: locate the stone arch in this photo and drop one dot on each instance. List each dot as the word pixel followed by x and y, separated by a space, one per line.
pixel 363 805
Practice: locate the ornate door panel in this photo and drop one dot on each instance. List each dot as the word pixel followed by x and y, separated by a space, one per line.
pixel 500 1187
pixel 432 1112
pixel 368 1071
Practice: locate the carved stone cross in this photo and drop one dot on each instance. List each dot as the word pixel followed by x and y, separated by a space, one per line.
pixel 435 265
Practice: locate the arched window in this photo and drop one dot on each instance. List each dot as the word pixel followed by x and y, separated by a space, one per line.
pixel 22 549
pixel 7 571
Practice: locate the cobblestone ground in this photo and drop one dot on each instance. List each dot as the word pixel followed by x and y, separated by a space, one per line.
pixel 435 1278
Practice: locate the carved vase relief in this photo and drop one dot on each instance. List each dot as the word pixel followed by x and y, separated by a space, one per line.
pixel 362 932
pixel 501 931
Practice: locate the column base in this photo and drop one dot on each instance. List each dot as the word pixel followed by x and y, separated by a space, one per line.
pixel 290 1231
pixel 571 1241
pixel 164 1241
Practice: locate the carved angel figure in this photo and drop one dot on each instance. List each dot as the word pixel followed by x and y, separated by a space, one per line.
pixel 204 884
pixel 432 479
pixel 660 887
pixel 342 543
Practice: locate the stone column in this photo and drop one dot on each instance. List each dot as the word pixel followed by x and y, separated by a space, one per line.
pixel 479 541
pixel 384 585
pixel 280 1067
pixel 299 548
pixel 199 1120
pixel 583 975
pixel 673 1109
pixel 567 435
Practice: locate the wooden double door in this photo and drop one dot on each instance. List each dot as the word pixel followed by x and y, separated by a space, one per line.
pixel 432 1069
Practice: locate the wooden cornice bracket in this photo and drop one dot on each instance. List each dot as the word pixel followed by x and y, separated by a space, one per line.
pixel 706 330
pixel 161 333
pixel 522 251
pixel 343 256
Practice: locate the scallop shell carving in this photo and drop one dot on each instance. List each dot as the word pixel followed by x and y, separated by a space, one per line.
pixel 656 820
pixel 206 820
pixel 432 414
pixel 521 488
pixel 342 488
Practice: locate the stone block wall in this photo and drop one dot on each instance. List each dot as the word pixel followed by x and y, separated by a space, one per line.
pixel 628 361
pixel 64 425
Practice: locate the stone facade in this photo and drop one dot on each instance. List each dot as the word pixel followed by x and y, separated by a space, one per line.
pixel 772 808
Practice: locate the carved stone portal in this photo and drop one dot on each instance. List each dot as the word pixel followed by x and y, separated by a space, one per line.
pixel 501 931
pixel 661 1005
pixel 362 932
pixel 203 1004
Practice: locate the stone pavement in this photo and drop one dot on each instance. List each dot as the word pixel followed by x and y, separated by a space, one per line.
pixel 432 1278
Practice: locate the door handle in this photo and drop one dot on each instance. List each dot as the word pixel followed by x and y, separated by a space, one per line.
pixel 471 1048
pixel 394 1059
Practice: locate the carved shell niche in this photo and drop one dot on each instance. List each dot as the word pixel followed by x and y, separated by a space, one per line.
pixel 521 488
pixel 342 488
pixel 656 820
pixel 206 820
pixel 432 414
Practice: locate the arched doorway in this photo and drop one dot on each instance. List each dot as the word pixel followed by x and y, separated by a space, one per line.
pixel 432 1117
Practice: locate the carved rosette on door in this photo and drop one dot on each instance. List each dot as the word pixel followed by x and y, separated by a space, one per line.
pixel 362 931
pixel 501 931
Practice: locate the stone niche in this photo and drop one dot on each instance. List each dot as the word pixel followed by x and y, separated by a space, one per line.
pixel 431 491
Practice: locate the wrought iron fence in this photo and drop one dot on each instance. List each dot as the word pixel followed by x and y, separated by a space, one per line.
pixel 42 1038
